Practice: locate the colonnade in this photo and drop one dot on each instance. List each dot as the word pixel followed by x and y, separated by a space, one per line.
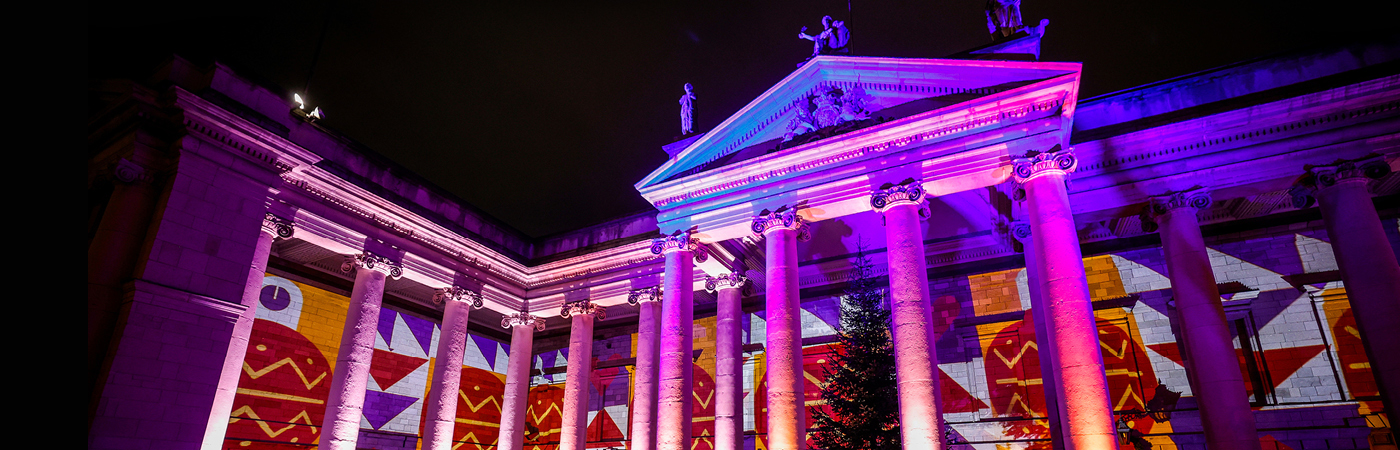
pixel 1072 368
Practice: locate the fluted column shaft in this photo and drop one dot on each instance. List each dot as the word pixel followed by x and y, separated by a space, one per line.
pixel 911 317
pixel 729 390
pixel 447 372
pixel 787 417
pixel 1215 368
pixel 1368 265
pixel 644 386
pixel 676 380
pixel 516 397
pixel 227 390
pixel 574 433
pixel 1088 408
pixel 341 427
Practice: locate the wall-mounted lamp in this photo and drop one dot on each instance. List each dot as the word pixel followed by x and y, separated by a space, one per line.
pixel 300 110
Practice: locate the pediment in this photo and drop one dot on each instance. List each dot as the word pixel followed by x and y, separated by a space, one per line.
pixel 832 95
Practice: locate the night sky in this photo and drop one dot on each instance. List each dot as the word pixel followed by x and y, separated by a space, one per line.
pixel 545 115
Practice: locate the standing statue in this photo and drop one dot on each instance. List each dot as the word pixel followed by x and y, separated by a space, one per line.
pixel 1003 17
pixel 834 39
pixel 687 110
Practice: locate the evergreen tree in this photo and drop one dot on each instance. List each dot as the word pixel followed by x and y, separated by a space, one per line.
pixel 860 384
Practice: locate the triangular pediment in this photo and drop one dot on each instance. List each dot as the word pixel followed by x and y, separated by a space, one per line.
pixel 867 91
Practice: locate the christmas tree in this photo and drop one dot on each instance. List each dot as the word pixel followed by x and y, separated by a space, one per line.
pixel 860 384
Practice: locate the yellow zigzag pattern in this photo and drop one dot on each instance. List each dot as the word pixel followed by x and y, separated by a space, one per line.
pixel 474 439
pixel 540 418
pixel 478 406
pixel 704 437
pixel 255 374
pixel 1012 362
pixel 248 411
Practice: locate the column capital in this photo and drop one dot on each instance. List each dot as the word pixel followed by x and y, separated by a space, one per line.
pixel 681 240
pixel 373 262
pixel 1360 170
pixel 277 226
pixel 458 294
pixel 522 319
pixel 907 192
pixel 1158 206
pixel 1021 231
pixel 1049 162
pixel 644 295
pixel 784 218
pixel 582 307
pixel 126 172
pixel 731 280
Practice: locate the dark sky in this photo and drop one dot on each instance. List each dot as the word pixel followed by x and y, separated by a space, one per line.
pixel 545 115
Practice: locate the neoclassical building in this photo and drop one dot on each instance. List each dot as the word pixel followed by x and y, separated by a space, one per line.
pixel 1206 262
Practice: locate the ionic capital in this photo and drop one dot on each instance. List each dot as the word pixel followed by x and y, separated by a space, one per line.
pixel 644 295
pixel 582 307
pixel 681 240
pixel 1192 200
pixel 1051 162
pixel 1021 230
pixel 373 262
pixel 522 319
pixel 127 172
pixel 731 280
pixel 783 219
pixel 908 192
pixel 1360 170
pixel 458 294
pixel 277 226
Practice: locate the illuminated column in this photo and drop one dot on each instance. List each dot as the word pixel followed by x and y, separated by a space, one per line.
pixel 787 428
pixel 729 346
pixel 112 255
pixel 272 227
pixel 1088 409
pixel 447 372
pixel 677 312
pixel 341 428
pixel 516 397
pixel 911 315
pixel 648 301
pixel 573 435
pixel 1215 368
pixel 1367 263
pixel 1045 342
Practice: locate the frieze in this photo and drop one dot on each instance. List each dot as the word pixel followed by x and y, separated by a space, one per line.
pixel 373 262
pixel 1049 162
pixel 732 280
pixel 647 294
pixel 277 226
pixel 783 219
pixel 583 307
pixel 458 294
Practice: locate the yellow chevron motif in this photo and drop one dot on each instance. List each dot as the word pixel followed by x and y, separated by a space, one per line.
pixel 255 374
pixel 704 402
pixel 703 437
pixel 474 440
pixel 540 418
pixel 1118 354
pixel 478 406
pixel 248 411
pixel 1012 362
pixel 1126 395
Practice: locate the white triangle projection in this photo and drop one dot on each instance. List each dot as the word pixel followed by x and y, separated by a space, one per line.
pixel 433 341
pixel 1228 268
pixel 403 341
pixel 1296 321
pixel 1139 278
pixel 618 413
pixel 502 359
pixel 814 326
pixel 1023 288
pixel 473 357
pixel 758 329
pixel 1317 255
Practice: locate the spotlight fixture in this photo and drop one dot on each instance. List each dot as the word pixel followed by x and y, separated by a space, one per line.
pixel 300 110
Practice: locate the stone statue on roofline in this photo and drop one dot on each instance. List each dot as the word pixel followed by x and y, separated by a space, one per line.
pixel 1003 17
pixel 687 110
pixel 835 38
